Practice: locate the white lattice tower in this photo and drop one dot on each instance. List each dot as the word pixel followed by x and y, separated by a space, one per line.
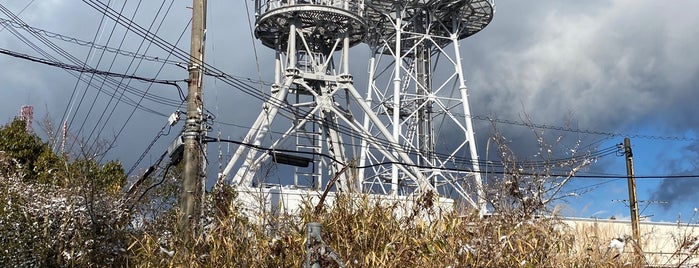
pixel 312 104
pixel 418 88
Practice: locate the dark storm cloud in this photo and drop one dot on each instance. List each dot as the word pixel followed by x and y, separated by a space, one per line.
pixel 602 66
pixel 615 66
pixel 677 191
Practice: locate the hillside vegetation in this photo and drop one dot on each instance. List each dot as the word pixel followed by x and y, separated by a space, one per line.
pixel 63 211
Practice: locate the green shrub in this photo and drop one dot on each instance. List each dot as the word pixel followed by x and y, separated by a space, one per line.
pixel 22 146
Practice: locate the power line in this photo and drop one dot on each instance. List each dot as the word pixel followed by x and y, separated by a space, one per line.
pixel 80 42
pixel 119 84
pixel 596 185
pixel 491 172
pixel 136 68
pixel 182 55
pixel 110 80
pixel 232 81
pixel 526 164
pixel 69 67
pixel 577 130
pixel 20 12
pixel 228 79
pixel 101 86
pixel 149 147
pixel 87 70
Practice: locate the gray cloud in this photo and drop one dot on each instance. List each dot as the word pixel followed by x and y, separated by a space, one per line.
pixel 616 66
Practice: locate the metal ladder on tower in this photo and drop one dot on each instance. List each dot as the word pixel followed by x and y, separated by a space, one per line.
pixel 309 140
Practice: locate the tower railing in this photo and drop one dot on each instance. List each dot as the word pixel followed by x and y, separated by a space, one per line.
pixel 354 6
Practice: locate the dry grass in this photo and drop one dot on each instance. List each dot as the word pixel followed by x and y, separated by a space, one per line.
pixel 368 234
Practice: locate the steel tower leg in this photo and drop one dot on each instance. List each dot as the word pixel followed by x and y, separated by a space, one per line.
pixel 469 135
pixel 419 100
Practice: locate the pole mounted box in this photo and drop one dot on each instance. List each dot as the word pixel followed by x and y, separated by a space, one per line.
pixel 175 150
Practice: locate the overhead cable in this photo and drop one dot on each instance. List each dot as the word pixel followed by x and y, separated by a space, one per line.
pixel 65 38
pixel 578 130
pixel 88 70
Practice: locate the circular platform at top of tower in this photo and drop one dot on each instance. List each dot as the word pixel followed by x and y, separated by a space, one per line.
pixel 322 21
pixel 443 17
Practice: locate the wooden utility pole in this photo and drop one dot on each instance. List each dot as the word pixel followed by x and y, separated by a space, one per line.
pixel 632 197
pixel 190 201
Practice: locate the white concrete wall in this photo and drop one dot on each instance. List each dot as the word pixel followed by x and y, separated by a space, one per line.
pixel 281 201
pixel 663 244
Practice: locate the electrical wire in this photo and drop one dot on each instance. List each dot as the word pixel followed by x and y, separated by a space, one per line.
pixel 34 47
pixel 451 169
pixel 133 59
pixel 65 38
pixel 68 67
pixel 528 164
pixel 101 53
pixel 596 185
pixel 88 70
pixel 577 130
pixel 181 54
pixel 553 127
pixel 149 147
pixel 70 57
pixel 68 119
pixel 111 98
pixel 167 169
pixel 19 13
pixel 156 98
pixel 230 80
pixel 348 130
pixel 254 44
pixel 123 127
